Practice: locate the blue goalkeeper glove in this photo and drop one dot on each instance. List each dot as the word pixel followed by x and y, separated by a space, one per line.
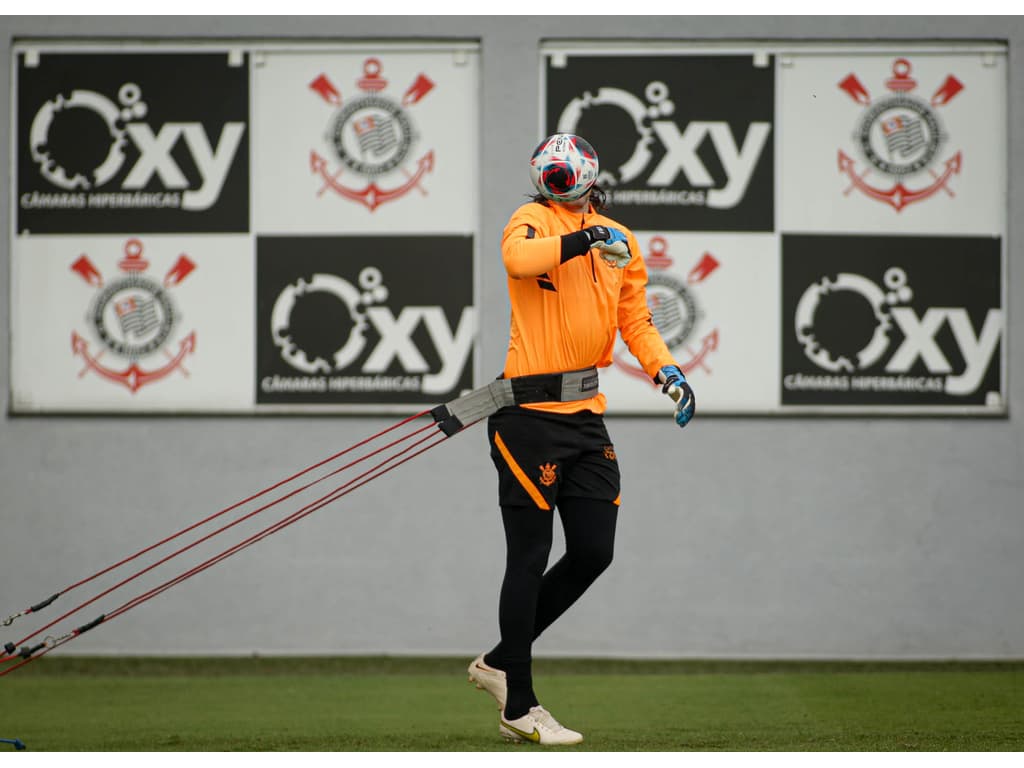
pixel 611 242
pixel 674 384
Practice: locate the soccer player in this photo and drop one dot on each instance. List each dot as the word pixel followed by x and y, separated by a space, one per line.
pixel 575 279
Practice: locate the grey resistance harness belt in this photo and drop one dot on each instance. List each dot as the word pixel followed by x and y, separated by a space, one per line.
pixel 519 390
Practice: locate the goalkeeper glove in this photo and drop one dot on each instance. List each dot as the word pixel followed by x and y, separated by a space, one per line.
pixel 674 384
pixel 611 242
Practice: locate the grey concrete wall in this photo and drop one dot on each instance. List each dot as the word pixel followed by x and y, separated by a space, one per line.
pixel 740 537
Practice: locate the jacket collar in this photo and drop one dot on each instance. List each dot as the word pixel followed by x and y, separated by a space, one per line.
pixel 574 219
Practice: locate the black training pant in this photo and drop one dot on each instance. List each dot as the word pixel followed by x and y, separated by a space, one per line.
pixel 547 461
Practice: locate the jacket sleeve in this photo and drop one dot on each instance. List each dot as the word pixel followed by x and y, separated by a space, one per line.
pixel 526 248
pixel 635 322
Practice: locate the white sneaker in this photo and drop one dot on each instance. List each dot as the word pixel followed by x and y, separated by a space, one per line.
pixel 489 679
pixel 538 726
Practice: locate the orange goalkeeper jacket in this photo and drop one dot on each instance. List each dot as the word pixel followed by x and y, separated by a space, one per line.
pixel 565 316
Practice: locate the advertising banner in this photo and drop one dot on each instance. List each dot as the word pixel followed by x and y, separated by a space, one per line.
pixel 902 142
pixel 857 189
pixel 283 227
pixel 154 270
pixel 685 140
pixel 132 142
pixel 133 324
pixel 364 321
pixel 713 298
pixel 891 321
pixel 378 140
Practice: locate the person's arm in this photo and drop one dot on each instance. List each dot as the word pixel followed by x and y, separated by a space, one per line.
pixel 644 341
pixel 528 252
pixel 635 322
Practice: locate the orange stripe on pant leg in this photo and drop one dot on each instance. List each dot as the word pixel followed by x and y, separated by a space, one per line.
pixel 526 482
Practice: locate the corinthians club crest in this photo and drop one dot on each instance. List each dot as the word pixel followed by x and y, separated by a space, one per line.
pixel 899 136
pixel 373 139
pixel 675 311
pixel 133 318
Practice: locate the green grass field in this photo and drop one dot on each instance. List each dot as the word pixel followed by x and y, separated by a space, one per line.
pixel 397 704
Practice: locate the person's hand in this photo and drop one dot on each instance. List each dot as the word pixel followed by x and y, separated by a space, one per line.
pixel 674 384
pixel 611 242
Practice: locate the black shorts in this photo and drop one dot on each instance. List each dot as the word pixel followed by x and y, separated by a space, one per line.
pixel 541 457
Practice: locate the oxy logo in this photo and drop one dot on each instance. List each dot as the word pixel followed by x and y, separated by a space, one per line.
pixel 682 149
pixel 827 310
pixel 675 311
pixel 306 307
pixel 133 317
pixel 65 164
pixel 899 135
pixel 373 137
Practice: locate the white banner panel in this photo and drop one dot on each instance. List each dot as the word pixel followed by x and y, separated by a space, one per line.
pixel 715 299
pixel 381 140
pixel 132 324
pixel 898 142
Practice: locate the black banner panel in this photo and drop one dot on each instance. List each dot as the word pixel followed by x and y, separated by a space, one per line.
pixel 364 320
pixel 132 142
pixel 891 321
pixel 685 141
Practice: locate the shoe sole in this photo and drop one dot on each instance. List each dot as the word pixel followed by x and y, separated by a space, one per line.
pixel 514 738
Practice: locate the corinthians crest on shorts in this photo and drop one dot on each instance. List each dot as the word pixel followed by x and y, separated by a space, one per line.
pixel 372 138
pixel 133 319
pixel 900 138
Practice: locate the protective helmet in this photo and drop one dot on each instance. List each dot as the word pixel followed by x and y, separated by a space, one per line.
pixel 563 167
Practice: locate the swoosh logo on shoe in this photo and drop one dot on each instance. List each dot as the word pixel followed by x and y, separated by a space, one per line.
pixel 535 736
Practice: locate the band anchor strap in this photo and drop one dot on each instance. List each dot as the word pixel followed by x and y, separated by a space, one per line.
pixel 519 390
